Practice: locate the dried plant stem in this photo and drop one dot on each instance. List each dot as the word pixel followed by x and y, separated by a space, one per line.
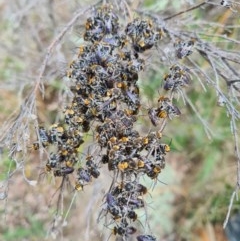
pixel 185 11
pixel 234 194
pixel 204 123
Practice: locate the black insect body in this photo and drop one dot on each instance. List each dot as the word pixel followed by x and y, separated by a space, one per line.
pixel 63 171
pixel 146 238
pixel 44 137
pixel 183 48
pixel 177 78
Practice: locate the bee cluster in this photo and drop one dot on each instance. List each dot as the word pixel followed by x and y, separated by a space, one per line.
pixel 177 78
pixel 67 141
pixel 106 99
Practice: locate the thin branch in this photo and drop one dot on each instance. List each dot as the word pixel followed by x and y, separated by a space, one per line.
pixel 185 11
pixel 205 124
pixel 229 209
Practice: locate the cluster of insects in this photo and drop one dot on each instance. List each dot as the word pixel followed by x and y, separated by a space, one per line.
pixel 177 78
pixel 67 141
pixel 142 34
pixel 106 99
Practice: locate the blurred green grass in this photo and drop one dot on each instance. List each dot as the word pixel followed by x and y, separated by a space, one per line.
pixel 35 231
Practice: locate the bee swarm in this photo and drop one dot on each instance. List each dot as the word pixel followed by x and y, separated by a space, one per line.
pixel 106 98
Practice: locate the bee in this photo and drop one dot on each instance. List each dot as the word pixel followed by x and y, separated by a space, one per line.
pixel 110 200
pixel 94 31
pixel 111 24
pixel 103 53
pixel 140 188
pixel 132 97
pixel 125 55
pixel 112 164
pixel 162 114
pixel 48 167
pixel 131 29
pixel 44 137
pixel 69 113
pixel 83 176
pixel 127 121
pixel 99 71
pixel 158 134
pixel 117 190
pixel 112 206
pixel 183 48
pixel 89 23
pixel 153 137
pixel 115 211
pixel 55 159
pixel 115 147
pixel 163 99
pixel 55 133
pixel 167 109
pixel 160 160
pixel 124 231
pixel 173 111
pixel 83 50
pixel 112 141
pixel 115 93
pixel 64 150
pixel 76 141
pixel 124 139
pixel 225 3
pixel 132 164
pixel 136 203
pixel 85 126
pixel 179 77
pixel 114 40
pixel 168 82
pixel 157 169
pixel 122 200
pixel 92 168
pixel 144 140
pixel 94 172
pixel 78 186
pixel 118 230
pixel 136 65
pixel 141 44
pixel 132 215
pixel 140 163
pixel 63 171
pixel 145 44
pixel 165 148
pixel 77 65
pixel 146 238
pixel 128 186
pixel 152 113
pixel 102 139
pixel 35 146
pixel 152 174
pixel 71 162
pixel 154 171
pixel 230 4
pixel 122 166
